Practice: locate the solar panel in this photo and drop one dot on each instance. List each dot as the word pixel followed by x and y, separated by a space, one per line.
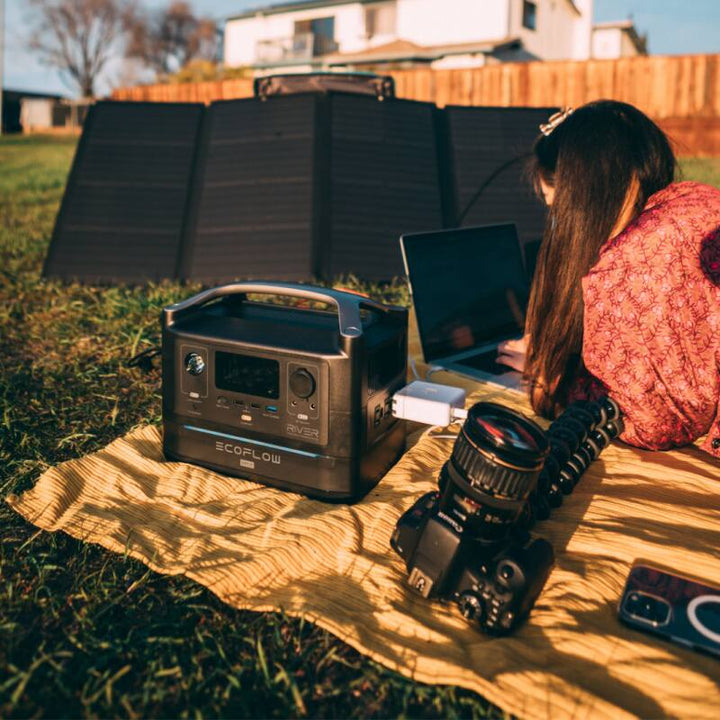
pixel 288 188
pixel 253 210
pixel 490 146
pixel 384 182
pixel 311 184
pixel 124 206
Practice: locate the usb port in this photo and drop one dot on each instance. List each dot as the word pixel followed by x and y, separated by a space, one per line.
pixel 378 416
pixel 271 408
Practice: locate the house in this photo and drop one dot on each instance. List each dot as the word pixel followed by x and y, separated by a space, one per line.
pixel 39 114
pixel 617 39
pixel 309 35
pixel 12 104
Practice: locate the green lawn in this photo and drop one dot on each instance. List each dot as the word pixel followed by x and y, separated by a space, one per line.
pixel 87 633
pixel 705 170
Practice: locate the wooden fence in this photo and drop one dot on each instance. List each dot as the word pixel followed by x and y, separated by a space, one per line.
pixel 670 89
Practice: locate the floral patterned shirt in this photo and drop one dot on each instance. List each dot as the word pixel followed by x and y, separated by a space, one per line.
pixel 652 321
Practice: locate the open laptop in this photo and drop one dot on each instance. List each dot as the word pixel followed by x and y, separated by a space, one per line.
pixel 470 291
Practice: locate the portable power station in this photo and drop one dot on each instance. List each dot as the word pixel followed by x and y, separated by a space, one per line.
pixel 288 395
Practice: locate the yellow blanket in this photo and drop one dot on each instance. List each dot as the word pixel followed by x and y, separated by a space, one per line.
pixel 263 549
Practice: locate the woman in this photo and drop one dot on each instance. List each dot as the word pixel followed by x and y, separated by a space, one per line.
pixel 626 297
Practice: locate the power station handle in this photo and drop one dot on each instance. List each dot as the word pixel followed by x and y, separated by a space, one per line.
pixel 348 305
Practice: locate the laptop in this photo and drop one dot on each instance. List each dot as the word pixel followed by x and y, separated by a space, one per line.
pixel 470 290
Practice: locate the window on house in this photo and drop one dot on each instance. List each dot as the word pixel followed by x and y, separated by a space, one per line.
pixel 323 32
pixel 380 20
pixel 529 15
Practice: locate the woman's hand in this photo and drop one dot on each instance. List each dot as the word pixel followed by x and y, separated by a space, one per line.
pixel 512 353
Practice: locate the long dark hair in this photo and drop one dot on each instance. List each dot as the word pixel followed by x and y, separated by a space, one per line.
pixel 594 159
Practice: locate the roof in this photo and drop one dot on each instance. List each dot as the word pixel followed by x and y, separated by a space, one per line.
pixel 293 6
pixel 11 95
pixel 620 24
pixel 572 4
pixel 400 50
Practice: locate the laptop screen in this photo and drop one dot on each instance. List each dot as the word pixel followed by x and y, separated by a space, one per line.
pixel 469 287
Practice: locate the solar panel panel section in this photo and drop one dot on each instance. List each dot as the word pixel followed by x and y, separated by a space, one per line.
pixel 384 182
pixel 287 188
pixel 492 145
pixel 253 200
pixel 124 206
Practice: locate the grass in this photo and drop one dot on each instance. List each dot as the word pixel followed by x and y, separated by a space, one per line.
pixel 706 170
pixel 87 633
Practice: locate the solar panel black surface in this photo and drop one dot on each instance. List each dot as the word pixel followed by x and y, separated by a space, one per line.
pixel 384 182
pixel 479 142
pixel 288 188
pixel 254 192
pixel 124 207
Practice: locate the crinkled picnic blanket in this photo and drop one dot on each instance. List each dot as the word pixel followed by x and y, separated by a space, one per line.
pixel 263 549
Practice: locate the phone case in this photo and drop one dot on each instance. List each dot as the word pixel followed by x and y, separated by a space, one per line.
pixel 676 608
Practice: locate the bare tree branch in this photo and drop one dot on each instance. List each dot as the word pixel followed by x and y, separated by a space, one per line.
pixel 166 40
pixel 78 37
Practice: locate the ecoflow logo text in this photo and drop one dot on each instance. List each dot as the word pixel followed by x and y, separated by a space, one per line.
pixel 248 456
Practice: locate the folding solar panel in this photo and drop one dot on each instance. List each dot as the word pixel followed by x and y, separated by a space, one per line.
pixel 253 212
pixel 384 182
pixel 487 150
pixel 123 211
pixel 288 188
pixel 310 185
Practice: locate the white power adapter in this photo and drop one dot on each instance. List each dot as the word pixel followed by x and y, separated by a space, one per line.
pixel 429 403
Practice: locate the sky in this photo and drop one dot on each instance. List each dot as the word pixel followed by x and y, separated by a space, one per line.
pixel 673 27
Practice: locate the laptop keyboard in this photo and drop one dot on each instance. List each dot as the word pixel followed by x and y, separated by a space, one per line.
pixel 485 362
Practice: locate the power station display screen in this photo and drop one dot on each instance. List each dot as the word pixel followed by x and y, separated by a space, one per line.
pixel 247 374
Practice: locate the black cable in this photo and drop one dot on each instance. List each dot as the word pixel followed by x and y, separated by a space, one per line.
pixel 487 182
pixel 144 359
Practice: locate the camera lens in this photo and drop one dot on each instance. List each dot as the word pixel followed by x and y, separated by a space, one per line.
pixel 494 466
pixel 500 450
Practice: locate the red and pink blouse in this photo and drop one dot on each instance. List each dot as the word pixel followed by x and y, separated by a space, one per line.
pixel 652 321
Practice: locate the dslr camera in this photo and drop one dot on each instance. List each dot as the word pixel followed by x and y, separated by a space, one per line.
pixel 469 541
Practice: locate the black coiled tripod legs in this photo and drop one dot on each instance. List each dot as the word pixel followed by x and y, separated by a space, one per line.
pixel 576 438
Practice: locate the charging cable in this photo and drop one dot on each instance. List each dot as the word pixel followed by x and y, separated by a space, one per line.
pixel 413 367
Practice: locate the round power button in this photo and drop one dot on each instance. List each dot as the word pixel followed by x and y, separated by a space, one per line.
pixel 194 364
pixel 302 383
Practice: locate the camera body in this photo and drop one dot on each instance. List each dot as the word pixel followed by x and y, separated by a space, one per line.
pixel 287 395
pixel 469 541
pixel 495 585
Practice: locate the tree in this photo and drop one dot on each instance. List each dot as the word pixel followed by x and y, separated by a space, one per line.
pixel 77 36
pixel 166 40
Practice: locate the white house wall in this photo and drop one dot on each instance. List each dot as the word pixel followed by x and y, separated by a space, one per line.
pixel 241 36
pixel 582 38
pixel 458 62
pixel 606 43
pixel 440 22
pixel 627 46
pixel 560 34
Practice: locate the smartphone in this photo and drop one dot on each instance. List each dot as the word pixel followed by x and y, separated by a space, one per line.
pixel 676 608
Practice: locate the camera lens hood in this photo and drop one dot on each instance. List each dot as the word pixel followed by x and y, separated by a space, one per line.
pixel 500 451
